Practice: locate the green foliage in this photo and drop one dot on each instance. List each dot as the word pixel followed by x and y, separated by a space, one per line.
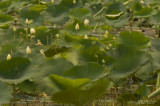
pixel 76 50
pixel 15 70
pixel 5 93
pixel 82 95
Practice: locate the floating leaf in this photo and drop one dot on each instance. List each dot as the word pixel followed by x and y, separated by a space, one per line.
pixel 4 4
pixel 38 8
pixel 27 86
pixel 93 71
pixel 79 97
pixel 5 19
pixel 79 12
pixel 29 14
pixel 5 93
pixel 16 70
pixel 66 83
pixel 145 12
pixel 127 65
pixel 133 39
pixel 56 14
pixel 55 50
pixel 55 66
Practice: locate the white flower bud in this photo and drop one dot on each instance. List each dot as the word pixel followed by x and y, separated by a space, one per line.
pixel 110 45
pixel 86 22
pixel 103 61
pixel 85 37
pixel 55 26
pixel 77 27
pixel 107 48
pixel 86 4
pixel 114 38
pixel 27 21
pixel 142 2
pixel 32 31
pixel 102 49
pixel 52 1
pixel 96 56
pixel 28 50
pixel 57 36
pixel 8 57
pixel 74 2
pixel 106 32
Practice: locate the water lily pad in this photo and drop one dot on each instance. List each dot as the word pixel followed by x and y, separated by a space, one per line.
pixel 93 71
pixel 133 39
pixel 127 65
pixel 55 66
pixel 79 12
pixel 5 19
pixel 30 14
pixel 5 93
pixel 83 95
pixel 145 12
pixel 66 83
pixel 5 4
pixel 16 70
pixel 56 14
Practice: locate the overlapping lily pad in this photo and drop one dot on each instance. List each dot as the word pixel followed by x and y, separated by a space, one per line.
pixel 16 70
pixel 5 95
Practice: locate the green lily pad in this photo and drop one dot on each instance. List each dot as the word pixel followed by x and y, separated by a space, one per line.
pixel 83 95
pixel 79 12
pixel 38 8
pixel 155 18
pixel 27 86
pixel 114 11
pixel 145 12
pixel 136 7
pixel 69 3
pixel 4 26
pixel 55 66
pixel 66 83
pixel 55 50
pixel 93 71
pixel 133 39
pixel 5 18
pixel 16 70
pixel 30 14
pixel 5 4
pixel 151 67
pixel 5 95
pixel 127 65
pixel 56 14
pixel 82 28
